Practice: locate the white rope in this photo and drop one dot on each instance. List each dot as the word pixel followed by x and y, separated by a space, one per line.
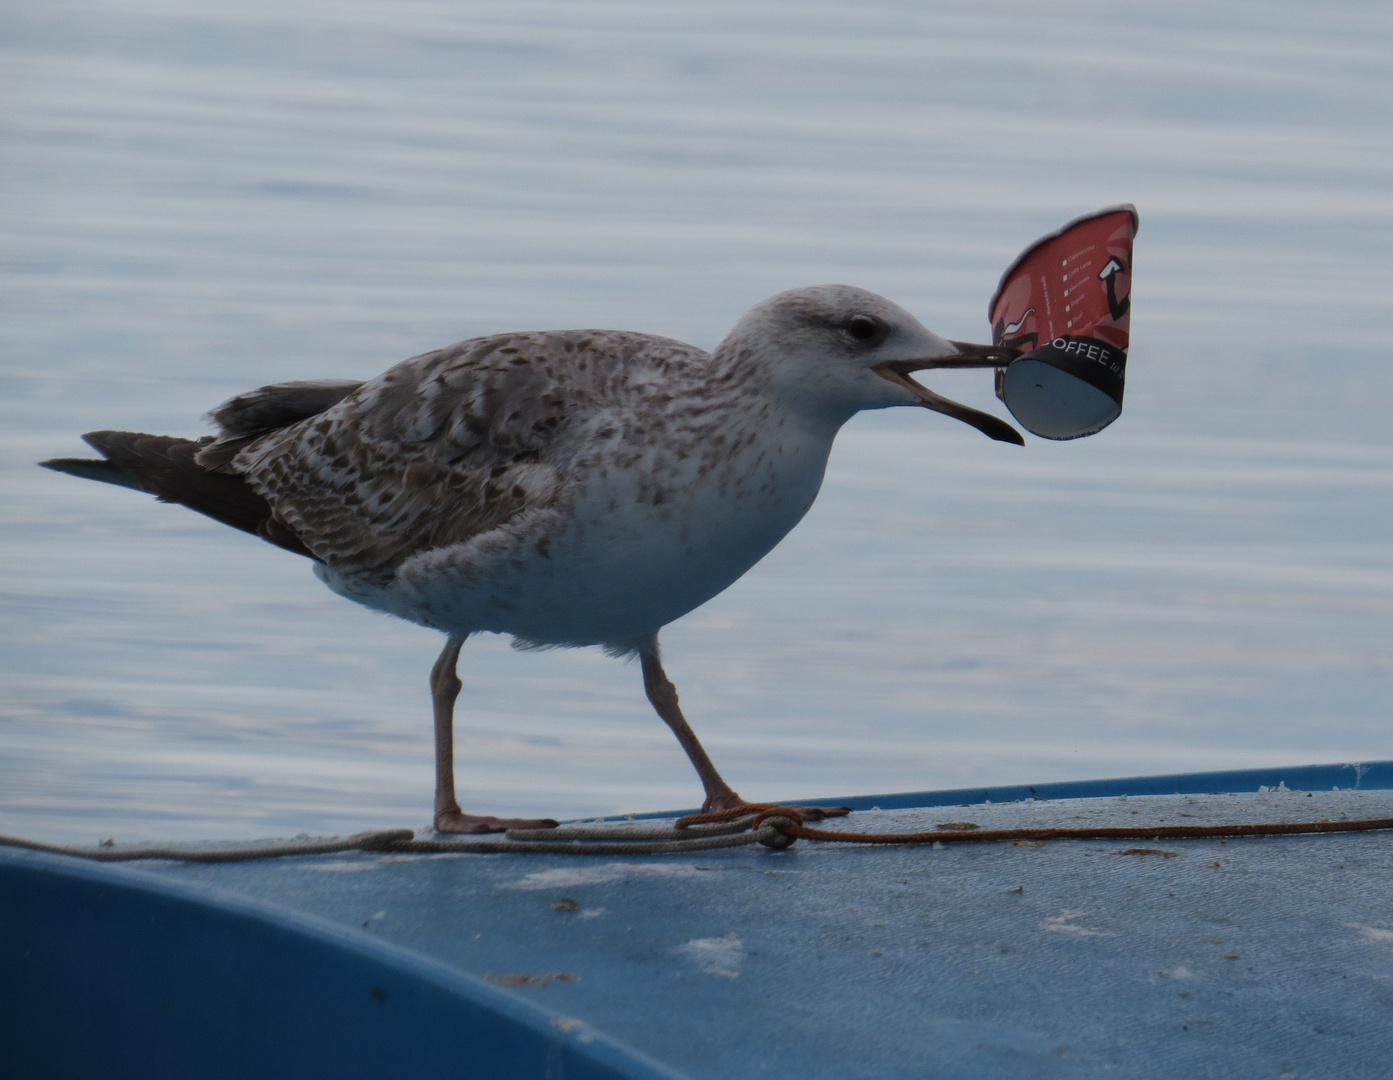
pixel 615 840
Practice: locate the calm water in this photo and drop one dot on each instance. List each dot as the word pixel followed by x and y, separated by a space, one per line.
pixel 197 199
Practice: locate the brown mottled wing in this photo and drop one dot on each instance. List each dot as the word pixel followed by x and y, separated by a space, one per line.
pixel 439 449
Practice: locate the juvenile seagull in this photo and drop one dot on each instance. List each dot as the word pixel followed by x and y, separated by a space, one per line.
pixel 579 487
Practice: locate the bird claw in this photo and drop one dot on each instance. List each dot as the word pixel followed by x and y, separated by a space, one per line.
pixel 807 813
pixel 453 821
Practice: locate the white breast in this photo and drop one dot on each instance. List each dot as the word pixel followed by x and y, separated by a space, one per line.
pixel 648 529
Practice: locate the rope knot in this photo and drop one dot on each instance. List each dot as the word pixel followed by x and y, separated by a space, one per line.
pixel 778 816
pixel 774 827
pixel 768 821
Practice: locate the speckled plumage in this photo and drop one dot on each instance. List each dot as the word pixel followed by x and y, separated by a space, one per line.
pixel 567 487
pixel 581 487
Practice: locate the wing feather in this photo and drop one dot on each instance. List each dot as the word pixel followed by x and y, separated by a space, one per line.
pixel 443 447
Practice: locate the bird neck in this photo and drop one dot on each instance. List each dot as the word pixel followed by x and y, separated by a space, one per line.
pixel 768 382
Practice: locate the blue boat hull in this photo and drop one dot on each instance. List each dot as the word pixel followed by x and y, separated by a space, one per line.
pixel 1075 959
pixel 108 974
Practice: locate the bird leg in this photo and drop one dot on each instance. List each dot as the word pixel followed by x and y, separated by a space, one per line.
pixel 719 795
pixel 663 696
pixel 444 689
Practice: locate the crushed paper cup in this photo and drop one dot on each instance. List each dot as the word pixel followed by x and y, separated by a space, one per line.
pixel 1065 305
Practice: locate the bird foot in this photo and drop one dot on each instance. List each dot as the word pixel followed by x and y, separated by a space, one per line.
pixel 454 821
pixel 735 802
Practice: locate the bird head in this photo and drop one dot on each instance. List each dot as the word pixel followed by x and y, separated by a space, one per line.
pixel 833 350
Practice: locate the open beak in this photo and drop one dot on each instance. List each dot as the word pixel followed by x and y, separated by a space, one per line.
pixel 967 356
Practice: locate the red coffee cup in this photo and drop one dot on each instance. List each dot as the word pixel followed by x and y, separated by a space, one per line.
pixel 1065 306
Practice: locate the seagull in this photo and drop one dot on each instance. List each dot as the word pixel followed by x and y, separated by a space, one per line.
pixel 568 488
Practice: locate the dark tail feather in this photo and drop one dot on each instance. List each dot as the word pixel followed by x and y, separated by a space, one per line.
pixel 165 467
pixel 93 469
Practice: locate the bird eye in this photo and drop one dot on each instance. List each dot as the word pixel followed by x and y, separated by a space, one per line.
pixel 866 329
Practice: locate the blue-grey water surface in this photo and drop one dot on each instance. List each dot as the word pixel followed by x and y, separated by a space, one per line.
pixel 196 199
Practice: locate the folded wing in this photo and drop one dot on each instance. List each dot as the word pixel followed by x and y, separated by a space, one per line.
pixel 440 449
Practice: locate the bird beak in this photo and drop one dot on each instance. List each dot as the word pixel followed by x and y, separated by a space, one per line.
pixel 967 356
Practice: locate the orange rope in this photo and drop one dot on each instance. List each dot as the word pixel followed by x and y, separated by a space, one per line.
pixel 789 821
pixel 1159 832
